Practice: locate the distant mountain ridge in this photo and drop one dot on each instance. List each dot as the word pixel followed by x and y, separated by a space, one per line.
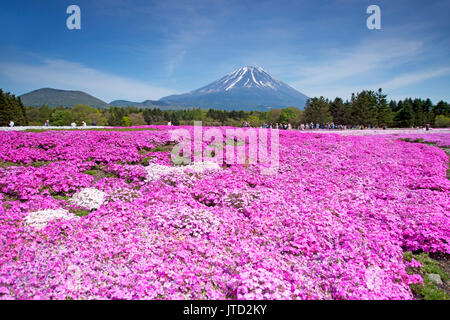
pixel 69 98
pixel 248 88
pixel 143 104
pixel 57 97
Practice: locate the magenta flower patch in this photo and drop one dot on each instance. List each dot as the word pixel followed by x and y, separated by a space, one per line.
pixel 117 220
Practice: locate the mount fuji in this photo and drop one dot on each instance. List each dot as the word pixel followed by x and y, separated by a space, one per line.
pixel 248 88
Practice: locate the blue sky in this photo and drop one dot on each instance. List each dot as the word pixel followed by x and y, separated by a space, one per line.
pixel 137 50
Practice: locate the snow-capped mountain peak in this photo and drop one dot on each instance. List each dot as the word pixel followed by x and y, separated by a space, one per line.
pixel 245 88
pixel 246 77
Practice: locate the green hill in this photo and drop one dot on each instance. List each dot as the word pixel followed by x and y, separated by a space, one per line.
pixel 55 97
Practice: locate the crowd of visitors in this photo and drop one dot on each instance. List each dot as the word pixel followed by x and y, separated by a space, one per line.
pixel 281 126
pixel 310 126
pixel 324 126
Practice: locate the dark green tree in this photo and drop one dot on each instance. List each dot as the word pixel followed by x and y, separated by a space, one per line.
pixel 363 108
pixel 383 114
pixel 317 110
pixel 404 118
pixel 337 110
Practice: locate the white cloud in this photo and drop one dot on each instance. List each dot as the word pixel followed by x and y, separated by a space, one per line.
pixel 369 65
pixel 389 86
pixel 61 74
pixel 414 77
pixel 368 57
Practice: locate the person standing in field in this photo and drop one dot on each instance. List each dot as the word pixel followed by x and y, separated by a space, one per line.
pixel 11 124
pixel 47 123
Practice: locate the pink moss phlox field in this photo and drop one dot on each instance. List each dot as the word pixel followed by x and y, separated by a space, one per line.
pixel 332 223
pixel 439 139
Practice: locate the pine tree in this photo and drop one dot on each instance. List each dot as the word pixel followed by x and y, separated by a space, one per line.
pixel 363 108
pixel 405 117
pixel 317 110
pixel 337 109
pixel 442 108
pixel 393 106
pixel 11 108
pixel 4 115
pixel 383 112
pixel 419 117
pixel 427 108
pixel 23 115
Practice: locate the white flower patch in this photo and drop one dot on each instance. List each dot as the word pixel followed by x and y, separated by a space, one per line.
pixel 90 198
pixel 74 278
pixel 39 219
pixel 155 171
pixel 202 166
pixel 199 222
pixel 374 278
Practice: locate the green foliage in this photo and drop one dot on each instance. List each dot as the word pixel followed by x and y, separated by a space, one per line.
pixel 317 110
pixel 111 175
pixel 287 115
pixel 383 114
pixel 254 121
pixel 428 290
pixel 442 121
pixel 91 172
pixel 61 117
pixel 232 123
pixel 363 109
pixel 61 197
pixel 38 164
pixel 430 265
pixel 126 121
pixel 145 161
pixel 12 109
pixel 115 116
pixel 88 114
pixel 79 212
pixel 8 164
pixel 442 108
pixel 338 110
pixel 273 116
pixel 419 140
pixel 405 116
pixel 162 148
pixel 137 119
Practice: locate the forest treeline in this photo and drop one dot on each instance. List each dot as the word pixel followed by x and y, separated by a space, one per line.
pixel 12 108
pixel 367 108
